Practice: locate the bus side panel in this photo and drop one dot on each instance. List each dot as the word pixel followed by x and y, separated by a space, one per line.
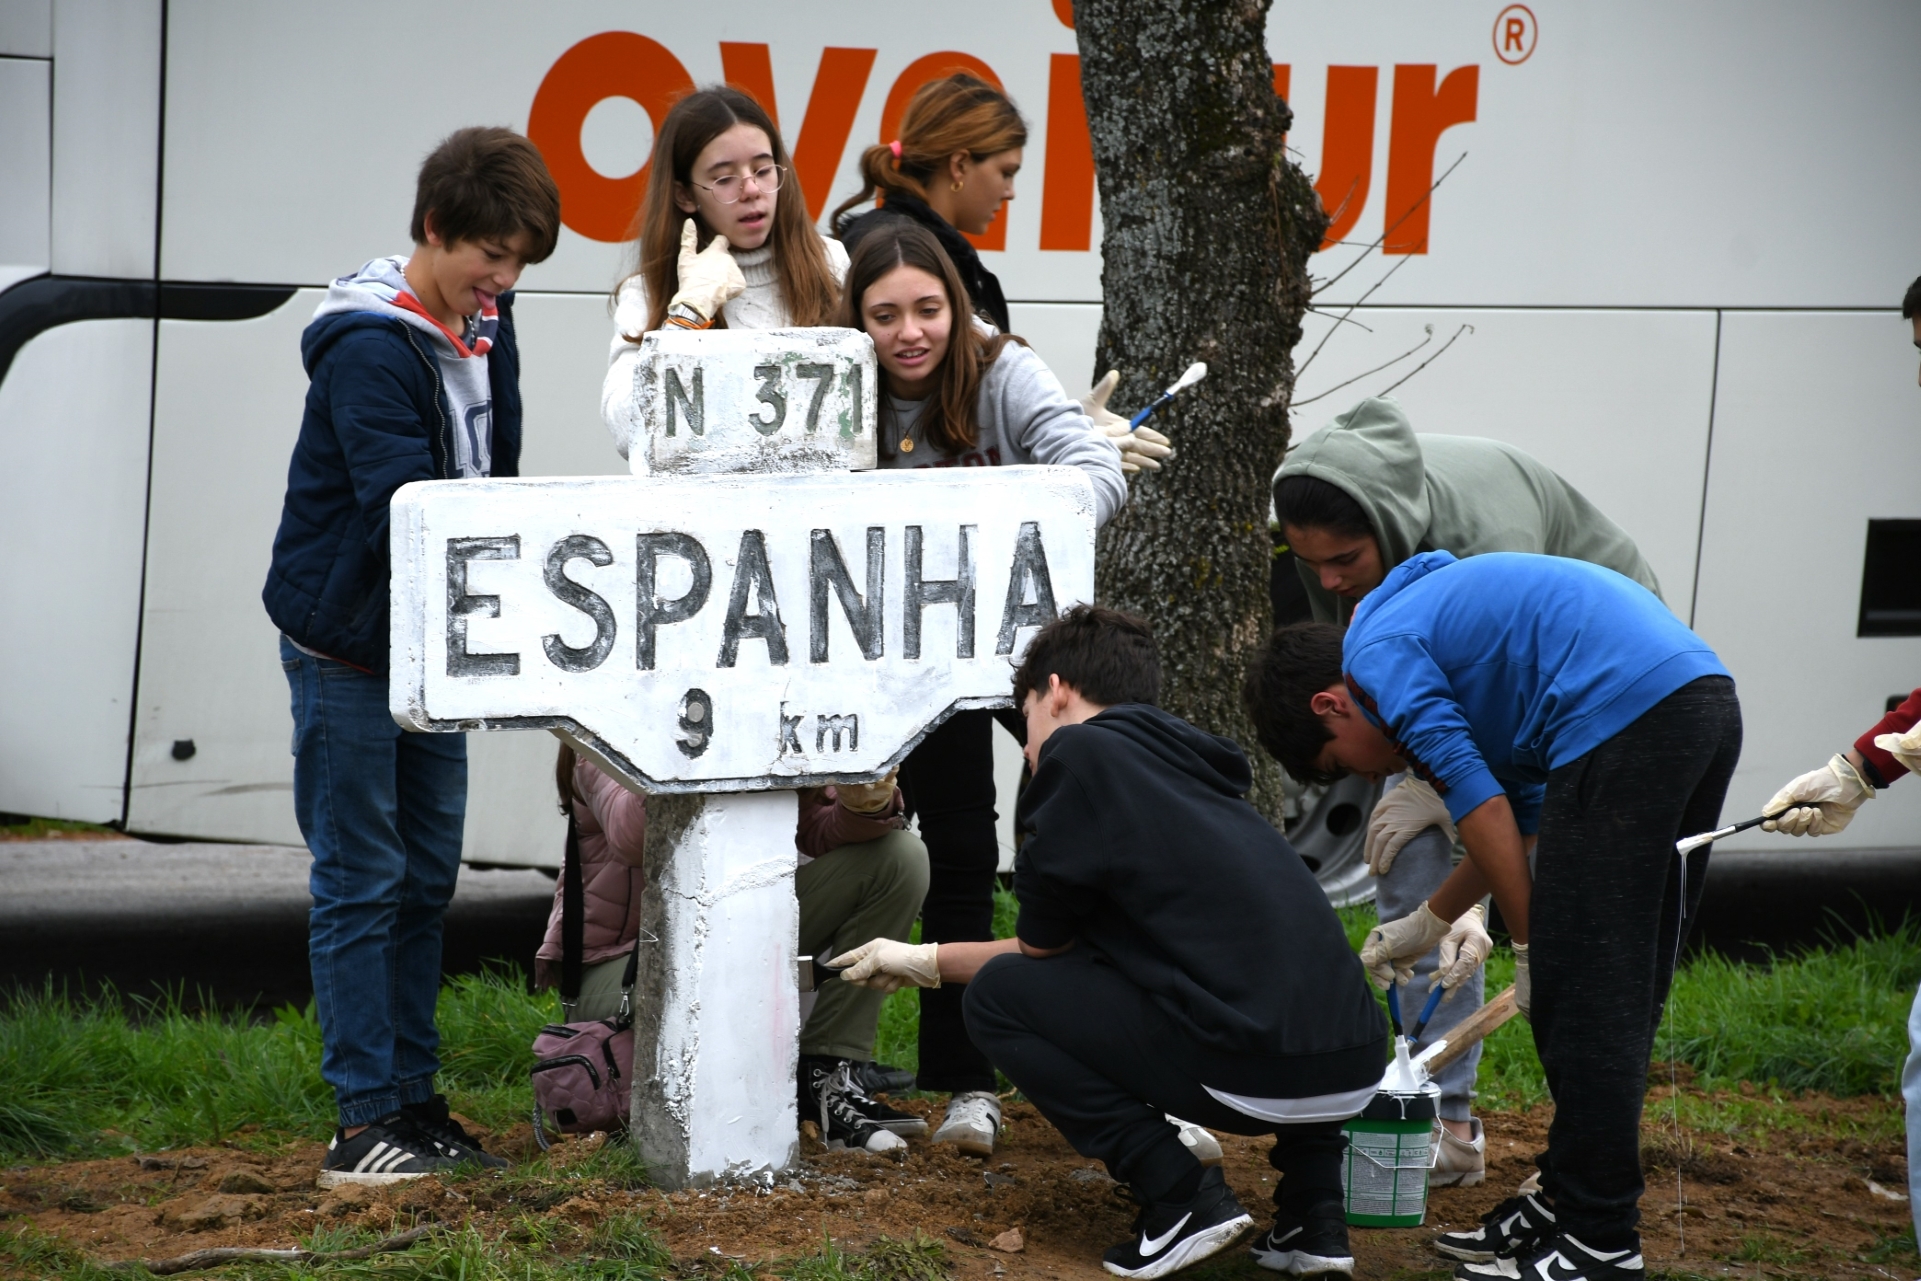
pixel 106 136
pixel 227 409
pixel 1816 430
pixel 73 449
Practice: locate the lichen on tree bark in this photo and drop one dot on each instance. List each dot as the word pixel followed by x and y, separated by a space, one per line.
pixel 1206 231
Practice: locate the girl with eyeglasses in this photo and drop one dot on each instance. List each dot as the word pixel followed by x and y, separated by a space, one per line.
pixel 722 239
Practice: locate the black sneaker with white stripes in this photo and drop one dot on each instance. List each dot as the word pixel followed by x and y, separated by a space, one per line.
pixel 1313 1245
pixel 1517 1227
pixel 450 1137
pixel 1173 1235
pixel 388 1151
pixel 1562 1259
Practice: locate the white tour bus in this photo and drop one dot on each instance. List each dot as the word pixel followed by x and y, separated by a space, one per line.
pixel 1667 253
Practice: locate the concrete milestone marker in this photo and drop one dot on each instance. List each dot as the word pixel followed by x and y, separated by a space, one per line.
pixel 716 641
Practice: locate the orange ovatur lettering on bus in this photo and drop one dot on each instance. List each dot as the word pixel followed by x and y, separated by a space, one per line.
pixel 918 72
pixel 1516 39
pixel 838 86
pixel 612 64
pixel 1347 147
pixel 750 69
pixel 1067 183
pixel 1421 114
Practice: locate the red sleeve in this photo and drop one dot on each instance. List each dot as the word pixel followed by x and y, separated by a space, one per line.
pixel 1898 721
pixel 622 814
pixel 826 824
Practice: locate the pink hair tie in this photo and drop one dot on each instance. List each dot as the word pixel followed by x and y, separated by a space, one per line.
pixel 894 147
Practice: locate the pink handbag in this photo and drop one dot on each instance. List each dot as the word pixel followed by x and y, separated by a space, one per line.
pixel 583 1072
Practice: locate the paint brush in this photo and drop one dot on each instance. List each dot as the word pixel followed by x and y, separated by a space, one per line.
pixel 1434 995
pixel 1195 372
pixel 1688 844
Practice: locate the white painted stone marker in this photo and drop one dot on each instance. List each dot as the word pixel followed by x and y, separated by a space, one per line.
pixel 716 641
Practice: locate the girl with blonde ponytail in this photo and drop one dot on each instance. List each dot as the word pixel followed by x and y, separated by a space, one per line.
pixel 951 170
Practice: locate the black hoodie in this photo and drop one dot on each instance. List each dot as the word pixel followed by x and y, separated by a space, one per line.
pixel 1141 845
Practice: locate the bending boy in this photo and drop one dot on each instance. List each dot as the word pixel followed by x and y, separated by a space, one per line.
pixel 1536 695
pixel 1174 955
pixel 1356 499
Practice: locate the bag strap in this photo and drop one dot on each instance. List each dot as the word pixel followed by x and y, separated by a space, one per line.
pixel 572 921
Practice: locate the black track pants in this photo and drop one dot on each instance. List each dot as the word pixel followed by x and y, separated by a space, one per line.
pixel 1604 931
pixel 1105 1066
pixel 948 784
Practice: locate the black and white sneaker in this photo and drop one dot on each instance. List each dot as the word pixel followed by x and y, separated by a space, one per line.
pixel 847 1117
pixel 1517 1227
pixel 388 1151
pixel 878 1078
pixel 1562 1259
pixel 1310 1246
pixel 1171 1236
pixel 450 1137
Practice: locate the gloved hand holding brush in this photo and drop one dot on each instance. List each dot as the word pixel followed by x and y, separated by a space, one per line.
pixel 1393 947
pixel 1141 448
pixel 1464 950
pixel 1821 802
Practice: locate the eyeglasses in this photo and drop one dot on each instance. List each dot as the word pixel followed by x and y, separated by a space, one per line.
pixel 730 189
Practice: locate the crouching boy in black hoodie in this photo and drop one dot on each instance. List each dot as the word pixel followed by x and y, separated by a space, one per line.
pixel 1174 955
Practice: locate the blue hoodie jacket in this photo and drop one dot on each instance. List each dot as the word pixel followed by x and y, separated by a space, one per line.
pixel 378 416
pixel 1491 671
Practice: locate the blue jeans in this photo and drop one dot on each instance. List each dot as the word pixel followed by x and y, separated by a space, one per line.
pixel 382 811
pixel 1418 871
pixel 1911 1095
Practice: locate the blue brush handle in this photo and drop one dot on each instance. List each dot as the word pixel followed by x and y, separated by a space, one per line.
pixel 1434 996
pixel 1147 413
pixel 1394 1006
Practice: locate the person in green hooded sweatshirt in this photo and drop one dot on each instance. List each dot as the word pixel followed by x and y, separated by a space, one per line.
pixel 1354 500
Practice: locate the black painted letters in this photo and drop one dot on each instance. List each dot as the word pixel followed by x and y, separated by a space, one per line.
pixel 826 568
pixel 1030 564
pixel 461 606
pixel 586 600
pixel 751 574
pixel 650 610
pixel 957 591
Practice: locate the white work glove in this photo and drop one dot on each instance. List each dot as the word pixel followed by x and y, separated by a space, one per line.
pixel 868 798
pixel 1141 448
pixel 1523 983
pixel 708 278
pixel 887 965
pixel 1905 748
pixel 1824 800
pixel 1402 814
pixel 1464 950
pixel 1392 947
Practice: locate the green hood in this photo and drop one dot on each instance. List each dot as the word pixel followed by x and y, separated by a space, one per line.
pixel 1371 453
pixel 1459 494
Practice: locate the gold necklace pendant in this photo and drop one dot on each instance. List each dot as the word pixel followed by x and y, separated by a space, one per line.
pixel 907 446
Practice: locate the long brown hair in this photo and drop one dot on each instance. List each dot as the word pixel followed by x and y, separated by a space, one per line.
pixel 948 421
pixel 958 113
pixel 800 263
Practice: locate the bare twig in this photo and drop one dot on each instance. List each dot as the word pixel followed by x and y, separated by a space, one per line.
pixel 1350 311
pixel 1339 319
pixel 239 1254
pixel 1464 329
pixel 1377 369
pixel 1425 196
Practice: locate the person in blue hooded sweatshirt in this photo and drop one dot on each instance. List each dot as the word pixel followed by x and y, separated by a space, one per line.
pixel 1543 699
pixel 414 375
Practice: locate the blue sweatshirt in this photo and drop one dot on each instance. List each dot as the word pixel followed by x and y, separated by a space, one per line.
pixel 1489 672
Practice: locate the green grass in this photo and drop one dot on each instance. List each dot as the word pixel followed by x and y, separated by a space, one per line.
pixel 33 829
pixel 81 1076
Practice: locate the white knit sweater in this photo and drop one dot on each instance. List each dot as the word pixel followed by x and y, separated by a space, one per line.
pixel 759 306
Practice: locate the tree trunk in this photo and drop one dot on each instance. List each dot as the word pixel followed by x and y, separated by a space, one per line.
pixel 1206 232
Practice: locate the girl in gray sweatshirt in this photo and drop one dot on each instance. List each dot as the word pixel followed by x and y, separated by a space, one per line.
pixel 955 393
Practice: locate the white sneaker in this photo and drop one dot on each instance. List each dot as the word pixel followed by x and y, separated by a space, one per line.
pixel 1205 1147
pixel 973 1119
pixel 1460 1163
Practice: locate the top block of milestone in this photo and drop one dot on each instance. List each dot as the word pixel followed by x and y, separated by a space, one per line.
pixel 770 400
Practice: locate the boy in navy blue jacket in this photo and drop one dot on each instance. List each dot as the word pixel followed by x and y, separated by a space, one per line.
pixel 414 375
pixel 1550 697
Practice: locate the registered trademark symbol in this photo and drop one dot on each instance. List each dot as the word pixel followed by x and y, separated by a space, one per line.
pixel 1514 34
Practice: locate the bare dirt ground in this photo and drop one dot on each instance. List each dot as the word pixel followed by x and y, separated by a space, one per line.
pixel 1790 1201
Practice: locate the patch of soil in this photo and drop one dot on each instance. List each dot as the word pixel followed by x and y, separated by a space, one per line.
pixel 1792 1202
